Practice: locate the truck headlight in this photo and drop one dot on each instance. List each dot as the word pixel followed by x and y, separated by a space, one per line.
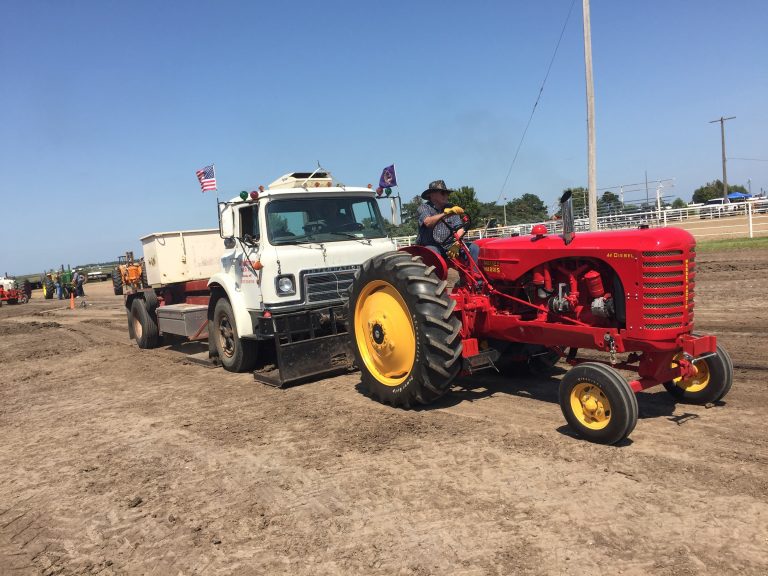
pixel 286 285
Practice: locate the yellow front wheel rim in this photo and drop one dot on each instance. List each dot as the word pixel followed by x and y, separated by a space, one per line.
pixel 384 333
pixel 590 405
pixel 698 381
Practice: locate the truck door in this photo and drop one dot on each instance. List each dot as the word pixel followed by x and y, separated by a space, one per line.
pixel 247 252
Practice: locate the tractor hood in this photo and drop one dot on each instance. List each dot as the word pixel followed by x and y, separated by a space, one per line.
pixel 608 244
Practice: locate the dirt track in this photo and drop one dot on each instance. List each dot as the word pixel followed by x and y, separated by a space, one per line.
pixel 116 460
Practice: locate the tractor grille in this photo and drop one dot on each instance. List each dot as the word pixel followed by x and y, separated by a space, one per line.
pixel 328 284
pixel 667 294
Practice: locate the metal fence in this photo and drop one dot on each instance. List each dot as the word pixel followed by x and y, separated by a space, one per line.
pixel 747 219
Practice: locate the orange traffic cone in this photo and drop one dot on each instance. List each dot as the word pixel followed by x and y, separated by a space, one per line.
pixel 71 300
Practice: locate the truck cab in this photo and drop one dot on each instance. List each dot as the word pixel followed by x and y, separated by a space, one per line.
pixel 291 252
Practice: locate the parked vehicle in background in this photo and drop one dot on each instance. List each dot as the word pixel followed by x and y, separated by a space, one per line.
pixel 717 207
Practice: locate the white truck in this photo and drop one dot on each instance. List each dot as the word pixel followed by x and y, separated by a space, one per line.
pixel 271 281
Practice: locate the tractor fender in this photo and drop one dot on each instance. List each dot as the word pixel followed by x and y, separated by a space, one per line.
pixel 221 285
pixel 430 258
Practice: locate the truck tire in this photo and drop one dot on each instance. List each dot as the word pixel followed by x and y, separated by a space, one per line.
pixel 712 383
pixel 235 354
pixel 117 282
pixel 143 325
pixel 49 289
pixel 598 403
pixel 406 339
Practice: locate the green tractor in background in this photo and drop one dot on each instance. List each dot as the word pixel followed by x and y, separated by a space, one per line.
pixel 63 277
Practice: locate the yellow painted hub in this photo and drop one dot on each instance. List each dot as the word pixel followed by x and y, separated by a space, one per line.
pixel 590 405
pixel 384 333
pixel 698 381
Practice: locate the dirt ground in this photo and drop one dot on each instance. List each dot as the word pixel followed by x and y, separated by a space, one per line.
pixel 116 460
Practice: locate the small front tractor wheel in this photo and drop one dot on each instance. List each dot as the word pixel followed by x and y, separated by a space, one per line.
pixel 712 381
pixel 406 339
pixel 143 325
pixel 236 354
pixel 598 403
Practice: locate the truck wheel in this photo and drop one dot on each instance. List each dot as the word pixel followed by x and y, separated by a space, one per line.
pixel 49 289
pixel 406 340
pixel 117 282
pixel 710 384
pixel 598 403
pixel 143 325
pixel 235 354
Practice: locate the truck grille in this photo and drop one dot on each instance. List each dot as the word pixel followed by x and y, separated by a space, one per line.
pixel 328 284
pixel 667 289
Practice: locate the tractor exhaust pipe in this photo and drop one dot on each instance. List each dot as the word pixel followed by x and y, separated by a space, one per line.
pixel 566 212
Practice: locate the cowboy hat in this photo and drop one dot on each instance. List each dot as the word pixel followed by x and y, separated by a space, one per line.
pixel 436 186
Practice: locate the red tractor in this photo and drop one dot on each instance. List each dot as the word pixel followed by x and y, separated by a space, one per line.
pixel 541 297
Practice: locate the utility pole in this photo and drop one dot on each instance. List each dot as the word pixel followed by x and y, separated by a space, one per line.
pixel 722 138
pixel 591 161
pixel 505 211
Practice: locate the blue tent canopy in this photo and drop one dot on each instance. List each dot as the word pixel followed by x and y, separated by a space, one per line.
pixel 738 196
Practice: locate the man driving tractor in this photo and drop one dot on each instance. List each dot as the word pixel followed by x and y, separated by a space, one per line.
pixel 437 219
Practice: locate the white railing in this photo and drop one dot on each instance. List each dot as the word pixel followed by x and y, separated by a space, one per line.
pixel 734 220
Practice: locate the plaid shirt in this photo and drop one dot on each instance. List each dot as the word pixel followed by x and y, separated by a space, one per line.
pixel 440 234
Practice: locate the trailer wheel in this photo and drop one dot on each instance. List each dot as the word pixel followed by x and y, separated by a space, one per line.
pixel 710 384
pixel 598 403
pixel 406 340
pixel 235 354
pixel 143 325
pixel 117 282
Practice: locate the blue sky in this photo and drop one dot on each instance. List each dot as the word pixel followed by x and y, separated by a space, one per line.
pixel 107 108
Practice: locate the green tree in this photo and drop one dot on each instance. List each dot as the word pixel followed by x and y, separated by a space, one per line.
pixel 526 209
pixel 714 189
pixel 679 203
pixel 608 203
pixel 466 198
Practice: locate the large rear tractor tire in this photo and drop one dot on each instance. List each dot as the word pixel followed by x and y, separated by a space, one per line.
pixel 49 289
pixel 598 403
pixel 117 282
pixel 235 354
pixel 406 339
pixel 710 384
pixel 143 325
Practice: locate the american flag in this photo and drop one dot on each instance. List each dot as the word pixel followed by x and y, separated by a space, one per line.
pixel 207 177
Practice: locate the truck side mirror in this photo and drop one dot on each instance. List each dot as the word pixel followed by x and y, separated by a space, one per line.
pixel 226 220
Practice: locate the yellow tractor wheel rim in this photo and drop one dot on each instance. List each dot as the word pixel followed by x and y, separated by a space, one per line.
pixel 698 381
pixel 384 333
pixel 590 405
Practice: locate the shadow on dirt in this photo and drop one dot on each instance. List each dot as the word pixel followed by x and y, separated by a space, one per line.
pixel 545 388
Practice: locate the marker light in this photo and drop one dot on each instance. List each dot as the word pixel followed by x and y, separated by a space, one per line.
pixel 370 186
pixel 379 191
pixel 254 195
pixel 244 195
pixel 387 191
pixel 539 230
pixel 261 188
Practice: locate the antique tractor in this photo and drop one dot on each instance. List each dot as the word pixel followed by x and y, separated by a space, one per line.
pixel 627 294
pixel 129 276
pixel 63 278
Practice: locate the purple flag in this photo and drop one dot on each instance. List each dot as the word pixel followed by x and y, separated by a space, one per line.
pixel 388 178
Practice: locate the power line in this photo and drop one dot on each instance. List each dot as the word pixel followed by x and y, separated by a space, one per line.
pixel 750 159
pixel 535 104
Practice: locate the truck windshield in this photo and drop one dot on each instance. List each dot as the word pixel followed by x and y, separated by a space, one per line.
pixel 323 219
